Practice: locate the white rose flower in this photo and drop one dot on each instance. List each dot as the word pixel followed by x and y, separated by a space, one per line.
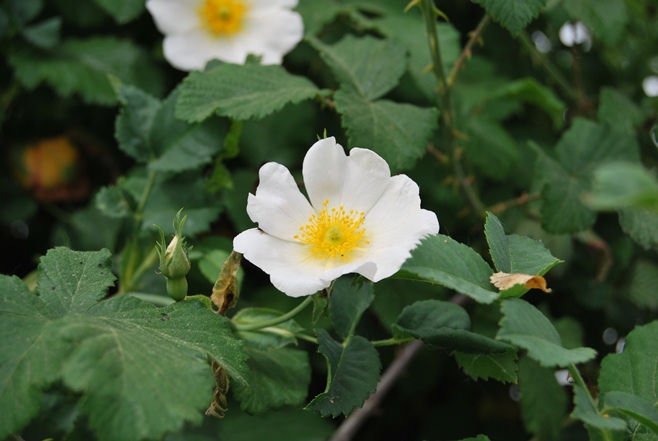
pixel 197 31
pixel 359 220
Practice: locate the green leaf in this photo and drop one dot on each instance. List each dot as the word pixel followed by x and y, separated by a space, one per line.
pixel 348 302
pixel 27 362
pixel 642 285
pixel 140 370
pixel 180 146
pixel 122 11
pixel 637 362
pixel 353 375
pixel 439 259
pixel 366 66
pixel 638 408
pixel 83 66
pixel 318 13
pixel 501 367
pixel 114 202
pixel 135 121
pixel 278 377
pixel 45 34
pixel 641 225
pixel 524 326
pixel 517 254
pixel 564 180
pixel 513 15
pixel 606 18
pixel 529 90
pixel 23 11
pixel 445 325
pixel 620 185
pixel 585 411
pixel 616 108
pixel 398 132
pixel 73 282
pixel 240 92
pixel 543 401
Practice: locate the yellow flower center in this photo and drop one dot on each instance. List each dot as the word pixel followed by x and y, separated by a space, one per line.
pixel 223 17
pixel 334 233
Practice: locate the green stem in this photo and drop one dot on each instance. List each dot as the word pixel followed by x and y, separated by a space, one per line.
pixel 580 382
pixel 445 105
pixel 275 321
pixel 392 341
pixel 550 68
pixel 146 192
pixel 147 263
pixel 307 338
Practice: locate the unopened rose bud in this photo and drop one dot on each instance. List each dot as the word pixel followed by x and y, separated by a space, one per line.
pixel 174 260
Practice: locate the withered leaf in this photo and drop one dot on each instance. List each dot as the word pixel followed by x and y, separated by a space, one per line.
pixel 504 281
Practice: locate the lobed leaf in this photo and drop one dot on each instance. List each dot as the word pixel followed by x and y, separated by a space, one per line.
pixel 354 370
pixel 240 92
pixel 398 132
pixel 524 326
pixel 440 259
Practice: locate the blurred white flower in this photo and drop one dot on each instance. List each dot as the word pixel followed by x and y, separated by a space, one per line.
pixel 359 220
pixel 197 31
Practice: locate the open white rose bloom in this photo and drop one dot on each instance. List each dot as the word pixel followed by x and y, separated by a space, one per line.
pixel 359 220
pixel 197 31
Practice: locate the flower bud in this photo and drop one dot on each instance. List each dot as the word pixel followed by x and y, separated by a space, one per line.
pixel 174 260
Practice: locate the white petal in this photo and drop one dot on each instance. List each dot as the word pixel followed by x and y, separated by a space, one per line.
pixel 395 226
pixel 175 16
pixel 271 33
pixel 324 170
pixel 365 180
pixel 278 207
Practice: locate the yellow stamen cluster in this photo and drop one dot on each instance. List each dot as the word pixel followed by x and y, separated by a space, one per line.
pixel 334 233
pixel 223 17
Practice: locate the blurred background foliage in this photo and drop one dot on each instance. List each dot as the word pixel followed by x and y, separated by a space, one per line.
pixel 540 111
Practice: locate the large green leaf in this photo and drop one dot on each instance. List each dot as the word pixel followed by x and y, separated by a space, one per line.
pixel 564 180
pixel 513 15
pixel 445 325
pixel 353 375
pixel 366 66
pixel 240 92
pixel 440 259
pixel 501 367
pixel 543 401
pixel 398 132
pixel 140 370
pixel 83 66
pixel 606 18
pixel 348 302
pixel 524 326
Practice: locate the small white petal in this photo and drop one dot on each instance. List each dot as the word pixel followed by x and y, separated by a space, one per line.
pixel 175 16
pixel 278 207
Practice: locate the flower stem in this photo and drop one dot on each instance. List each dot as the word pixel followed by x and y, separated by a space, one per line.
pixel 392 341
pixel 275 321
pixel 445 106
